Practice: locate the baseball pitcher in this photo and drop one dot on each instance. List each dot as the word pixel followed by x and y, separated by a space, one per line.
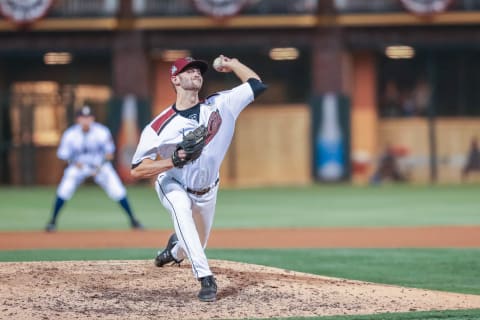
pixel 184 147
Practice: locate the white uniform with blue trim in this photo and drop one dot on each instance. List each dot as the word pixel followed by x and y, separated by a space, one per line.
pixel 190 193
pixel 88 149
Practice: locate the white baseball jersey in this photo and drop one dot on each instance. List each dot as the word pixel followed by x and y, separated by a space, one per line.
pixel 192 214
pixel 88 149
pixel 218 113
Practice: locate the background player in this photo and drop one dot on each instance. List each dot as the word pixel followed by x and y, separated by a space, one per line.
pixel 88 148
pixel 189 191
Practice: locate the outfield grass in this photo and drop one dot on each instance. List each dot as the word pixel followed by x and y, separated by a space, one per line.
pixel 436 315
pixel 314 206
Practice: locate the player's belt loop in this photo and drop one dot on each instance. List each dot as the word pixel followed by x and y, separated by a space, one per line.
pixel 202 191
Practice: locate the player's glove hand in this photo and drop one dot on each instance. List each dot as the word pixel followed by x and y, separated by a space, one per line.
pixel 192 145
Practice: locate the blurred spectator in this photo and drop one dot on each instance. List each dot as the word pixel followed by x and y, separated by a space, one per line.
pixel 408 104
pixel 405 102
pixel 473 159
pixel 387 168
pixel 421 96
pixel 391 100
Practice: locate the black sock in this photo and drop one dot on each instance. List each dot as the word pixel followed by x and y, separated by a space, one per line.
pixel 126 206
pixel 56 209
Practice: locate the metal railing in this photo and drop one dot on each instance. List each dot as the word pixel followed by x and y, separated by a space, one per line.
pixel 175 8
pixel 84 8
pixel 380 6
pixel 163 8
pixel 370 6
pixel 252 7
pixel 169 8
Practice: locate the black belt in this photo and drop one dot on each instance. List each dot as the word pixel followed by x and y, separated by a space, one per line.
pixel 201 192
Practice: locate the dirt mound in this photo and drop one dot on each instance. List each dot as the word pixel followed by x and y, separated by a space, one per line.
pixel 139 290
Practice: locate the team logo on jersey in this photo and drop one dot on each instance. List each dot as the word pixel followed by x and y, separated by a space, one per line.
pixel 24 11
pixel 214 123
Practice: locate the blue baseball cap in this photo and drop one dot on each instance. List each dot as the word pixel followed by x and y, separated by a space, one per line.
pixel 84 111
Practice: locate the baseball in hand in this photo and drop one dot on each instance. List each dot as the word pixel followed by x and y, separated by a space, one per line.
pixel 217 64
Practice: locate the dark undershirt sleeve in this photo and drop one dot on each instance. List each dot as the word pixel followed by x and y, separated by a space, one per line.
pixel 136 165
pixel 257 86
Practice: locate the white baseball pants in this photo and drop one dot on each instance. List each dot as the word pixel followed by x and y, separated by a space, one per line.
pixel 105 177
pixel 192 218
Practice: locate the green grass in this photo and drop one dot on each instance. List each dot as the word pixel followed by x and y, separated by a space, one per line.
pixel 439 269
pixel 313 206
pixel 430 315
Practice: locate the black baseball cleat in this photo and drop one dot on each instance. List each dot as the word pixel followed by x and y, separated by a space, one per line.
pixel 164 257
pixel 51 227
pixel 136 225
pixel 208 292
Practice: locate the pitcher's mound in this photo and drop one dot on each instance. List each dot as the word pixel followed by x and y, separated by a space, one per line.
pixel 139 290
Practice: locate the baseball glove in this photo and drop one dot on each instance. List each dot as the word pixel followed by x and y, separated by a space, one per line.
pixel 192 144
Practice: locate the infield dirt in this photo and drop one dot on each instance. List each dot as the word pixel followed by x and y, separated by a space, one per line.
pixel 139 290
pixel 393 237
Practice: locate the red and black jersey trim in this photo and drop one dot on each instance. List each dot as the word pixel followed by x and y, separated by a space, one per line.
pixel 163 120
pixel 212 95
